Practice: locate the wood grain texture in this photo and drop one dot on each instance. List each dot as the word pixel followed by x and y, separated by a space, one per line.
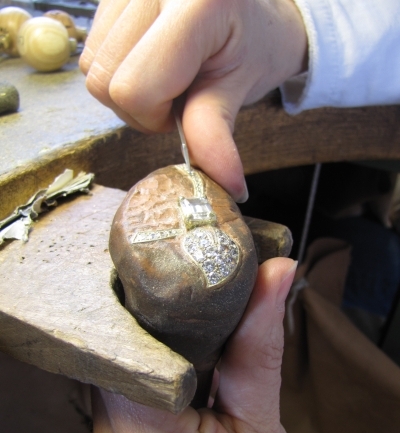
pixel 58 311
pixel 11 20
pixel 268 138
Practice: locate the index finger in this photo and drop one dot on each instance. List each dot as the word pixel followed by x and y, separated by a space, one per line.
pixel 166 60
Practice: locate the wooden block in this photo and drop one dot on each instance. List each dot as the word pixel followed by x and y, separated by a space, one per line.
pixel 59 311
pixel 271 239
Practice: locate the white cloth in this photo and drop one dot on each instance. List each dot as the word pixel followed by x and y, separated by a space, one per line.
pixel 354 55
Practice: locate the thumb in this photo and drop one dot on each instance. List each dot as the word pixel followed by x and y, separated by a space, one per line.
pixel 208 121
pixel 250 368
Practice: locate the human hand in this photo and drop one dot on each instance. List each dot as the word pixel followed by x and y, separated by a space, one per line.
pixel 247 400
pixel 140 55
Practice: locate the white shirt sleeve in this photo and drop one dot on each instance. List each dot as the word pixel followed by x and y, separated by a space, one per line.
pixel 354 55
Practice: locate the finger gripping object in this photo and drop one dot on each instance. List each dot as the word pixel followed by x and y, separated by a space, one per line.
pixel 187 263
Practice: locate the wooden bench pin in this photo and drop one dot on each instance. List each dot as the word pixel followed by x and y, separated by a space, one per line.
pixel 187 263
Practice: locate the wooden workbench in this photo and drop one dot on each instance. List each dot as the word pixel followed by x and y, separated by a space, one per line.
pixel 60 125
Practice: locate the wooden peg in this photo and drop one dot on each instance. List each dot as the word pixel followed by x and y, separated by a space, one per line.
pixel 44 43
pixel 74 31
pixel 11 20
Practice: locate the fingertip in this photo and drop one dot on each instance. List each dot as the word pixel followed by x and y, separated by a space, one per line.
pixel 212 148
pixel 273 283
pixel 273 271
pixel 85 60
pixel 238 191
pixel 278 267
pixel 285 285
pixel 276 271
pixel 244 196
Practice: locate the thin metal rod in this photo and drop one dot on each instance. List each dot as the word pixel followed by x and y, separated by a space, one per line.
pixel 185 150
pixel 310 207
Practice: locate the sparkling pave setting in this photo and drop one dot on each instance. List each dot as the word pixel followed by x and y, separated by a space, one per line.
pixel 214 252
pixel 149 236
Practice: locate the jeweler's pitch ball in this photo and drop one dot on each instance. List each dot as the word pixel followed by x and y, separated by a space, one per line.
pixel 187 274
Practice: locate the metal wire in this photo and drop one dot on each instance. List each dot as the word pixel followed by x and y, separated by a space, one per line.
pixel 185 150
pixel 310 207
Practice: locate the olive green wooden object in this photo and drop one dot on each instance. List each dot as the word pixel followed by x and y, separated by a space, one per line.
pixel 9 98
pixel 74 31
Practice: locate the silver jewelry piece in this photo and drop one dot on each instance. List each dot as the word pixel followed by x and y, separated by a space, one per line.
pixel 214 251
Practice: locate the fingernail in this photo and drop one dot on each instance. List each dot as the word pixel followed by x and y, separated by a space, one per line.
pixel 245 195
pixel 285 285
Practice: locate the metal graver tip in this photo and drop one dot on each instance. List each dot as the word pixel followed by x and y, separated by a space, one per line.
pixel 185 150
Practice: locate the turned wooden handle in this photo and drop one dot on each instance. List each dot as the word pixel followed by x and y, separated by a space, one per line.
pixel 74 31
pixel 44 44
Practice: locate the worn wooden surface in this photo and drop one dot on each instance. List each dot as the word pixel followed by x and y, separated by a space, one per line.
pixel 60 125
pixel 58 309
pixel 270 239
pixel 58 277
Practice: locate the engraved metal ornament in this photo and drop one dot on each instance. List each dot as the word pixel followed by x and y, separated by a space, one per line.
pixel 211 249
